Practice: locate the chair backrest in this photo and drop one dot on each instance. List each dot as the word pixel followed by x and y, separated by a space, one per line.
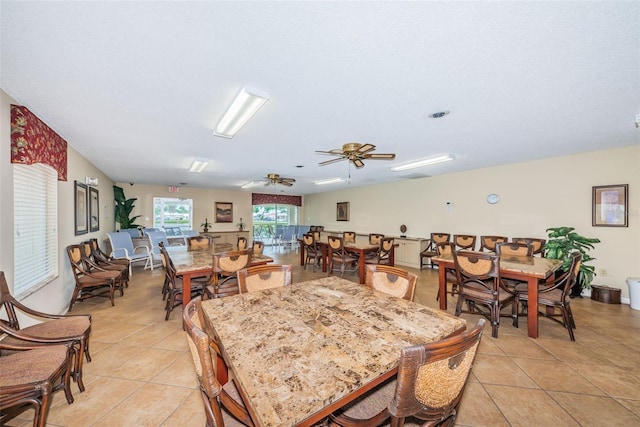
pixel 257 247
pixel 384 253
pixel 261 277
pixel 200 346
pixel 121 242
pixel 391 280
pixel 464 241
pixel 445 248
pixel 76 258
pixel 199 242
pixel 155 238
pixel 336 245
pixel 488 243
pixel 302 230
pixel 8 302
pixel 479 272
pixel 538 244
pixel 514 249
pixel 432 377
pixel 316 235
pixel 231 262
pixel 132 232
pixel 374 238
pixel 349 236
pixel 568 279
pixel 242 243
pixel 440 237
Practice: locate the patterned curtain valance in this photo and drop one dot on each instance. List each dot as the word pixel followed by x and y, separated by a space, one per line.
pixel 280 199
pixel 32 141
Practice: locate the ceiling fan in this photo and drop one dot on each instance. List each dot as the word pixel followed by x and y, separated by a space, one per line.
pixel 274 178
pixel 356 153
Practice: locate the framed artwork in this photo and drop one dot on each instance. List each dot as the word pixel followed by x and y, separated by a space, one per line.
pixel 342 211
pixel 610 206
pixel 81 208
pixel 94 210
pixel 224 212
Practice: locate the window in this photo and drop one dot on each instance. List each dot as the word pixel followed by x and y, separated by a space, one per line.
pixel 172 214
pixel 265 218
pixel 35 225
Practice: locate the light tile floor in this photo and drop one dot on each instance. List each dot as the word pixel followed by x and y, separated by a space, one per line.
pixel 142 374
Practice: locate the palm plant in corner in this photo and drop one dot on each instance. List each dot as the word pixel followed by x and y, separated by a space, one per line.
pixel 561 243
pixel 124 207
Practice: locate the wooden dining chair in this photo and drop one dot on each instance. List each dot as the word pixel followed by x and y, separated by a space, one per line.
pixel 555 294
pixel 427 390
pixel 226 265
pixel 222 403
pixel 383 255
pixel 430 251
pixel 242 243
pixel 257 248
pixel 488 243
pixel 374 238
pixel 391 280
pixel 67 329
pixel 174 284
pixel 30 376
pixel 446 249
pixel 339 257
pixel 103 258
pixel 537 244
pixel 349 236
pixel 480 285
pixel 262 277
pixel 514 249
pixel 313 251
pixel 464 242
pixel 199 242
pixel 95 265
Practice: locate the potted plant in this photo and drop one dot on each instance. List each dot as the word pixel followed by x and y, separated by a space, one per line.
pixel 561 243
pixel 206 225
pixel 123 209
pixel 241 225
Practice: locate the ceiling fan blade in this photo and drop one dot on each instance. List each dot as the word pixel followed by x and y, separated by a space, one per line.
pixel 336 152
pixel 358 163
pixel 380 156
pixel 328 162
pixel 366 148
pixel 287 183
pixel 288 179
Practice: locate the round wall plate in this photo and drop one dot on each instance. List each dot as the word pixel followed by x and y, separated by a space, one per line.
pixel 493 198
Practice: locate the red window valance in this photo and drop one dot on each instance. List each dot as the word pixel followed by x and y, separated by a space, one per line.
pixel 32 141
pixel 272 199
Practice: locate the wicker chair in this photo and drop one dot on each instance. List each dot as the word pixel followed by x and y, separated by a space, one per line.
pixel 90 283
pixel 429 386
pixel 465 242
pixel 391 280
pixel 339 257
pixel 514 249
pixel 313 251
pixel 95 265
pixel 226 265
pixel 73 330
pixel 488 243
pixel 30 374
pixel 538 244
pixel 199 242
pixel 481 285
pixel 222 403
pixel 242 243
pixel 349 236
pixel 257 248
pixel 102 258
pixel 446 249
pixel 174 284
pixel 555 294
pixel 261 277
pixel 430 250
pixel 374 238
pixel 383 255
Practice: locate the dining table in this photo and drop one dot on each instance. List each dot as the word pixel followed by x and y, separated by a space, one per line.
pixel 298 353
pixel 527 269
pixel 192 263
pixel 359 247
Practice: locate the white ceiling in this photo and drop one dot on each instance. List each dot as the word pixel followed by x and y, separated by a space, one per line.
pixel 137 87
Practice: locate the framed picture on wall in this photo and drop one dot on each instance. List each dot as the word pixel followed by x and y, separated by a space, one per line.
pixel 81 208
pixel 342 211
pixel 610 206
pixel 224 212
pixel 94 210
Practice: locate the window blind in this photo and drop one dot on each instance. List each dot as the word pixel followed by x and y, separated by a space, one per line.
pixel 35 226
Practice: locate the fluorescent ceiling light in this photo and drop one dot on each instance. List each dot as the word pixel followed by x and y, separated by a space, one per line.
pixel 198 165
pixel 241 110
pixel 327 181
pixel 425 162
pixel 251 184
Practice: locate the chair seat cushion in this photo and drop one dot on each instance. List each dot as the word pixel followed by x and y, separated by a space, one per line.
pixel 31 366
pixel 72 327
pixel 373 402
pixel 480 294
pixel 552 297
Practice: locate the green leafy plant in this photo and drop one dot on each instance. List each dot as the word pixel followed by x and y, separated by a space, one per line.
pixel 562 242
pixel 206 225
pixel 124 207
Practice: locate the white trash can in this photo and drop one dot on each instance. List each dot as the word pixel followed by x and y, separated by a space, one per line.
pixel 634 292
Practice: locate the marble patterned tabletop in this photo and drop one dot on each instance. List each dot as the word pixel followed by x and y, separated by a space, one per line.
pixel 297 349
pixel 202 259
pixel 534 266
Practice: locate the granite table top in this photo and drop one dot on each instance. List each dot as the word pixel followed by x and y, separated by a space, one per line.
pixel 531 266
pixel 202 259
pixel 297 349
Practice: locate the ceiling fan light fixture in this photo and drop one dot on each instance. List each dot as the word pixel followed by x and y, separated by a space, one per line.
pixel 424 162
pixel 243 107
pixel 327 181
pixel 198 165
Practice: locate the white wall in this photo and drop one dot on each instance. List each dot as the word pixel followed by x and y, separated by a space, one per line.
pixel 55 296
pixel 533 197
